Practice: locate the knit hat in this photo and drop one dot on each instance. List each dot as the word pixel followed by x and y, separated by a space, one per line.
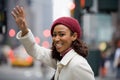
pixel 69 22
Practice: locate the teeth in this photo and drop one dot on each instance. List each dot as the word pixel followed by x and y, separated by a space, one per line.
pixel 58 45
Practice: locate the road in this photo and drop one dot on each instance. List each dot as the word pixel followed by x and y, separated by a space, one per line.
pixel 35 73
pixel 24 73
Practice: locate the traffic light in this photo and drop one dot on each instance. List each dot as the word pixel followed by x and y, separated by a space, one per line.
pixel 77 10
pixel 107 5
pixel 79 6
pixel 85 4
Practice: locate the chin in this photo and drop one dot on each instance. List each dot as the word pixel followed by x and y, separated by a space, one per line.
pixel 59 51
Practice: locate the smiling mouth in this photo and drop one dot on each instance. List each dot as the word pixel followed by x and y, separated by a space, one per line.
pixel 58 46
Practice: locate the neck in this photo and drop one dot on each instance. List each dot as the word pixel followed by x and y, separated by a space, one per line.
pixel 67 50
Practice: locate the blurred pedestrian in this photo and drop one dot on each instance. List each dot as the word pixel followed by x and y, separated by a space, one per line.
pixel 103 70
pixel 103 47
pixel 111 58
pixel 68 51
pixel 117 59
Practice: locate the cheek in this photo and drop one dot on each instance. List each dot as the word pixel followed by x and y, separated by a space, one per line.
pixel 68 41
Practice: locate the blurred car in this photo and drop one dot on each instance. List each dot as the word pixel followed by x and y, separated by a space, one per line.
pixel 19 57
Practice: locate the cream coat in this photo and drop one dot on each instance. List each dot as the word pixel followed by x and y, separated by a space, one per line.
pixel 71 67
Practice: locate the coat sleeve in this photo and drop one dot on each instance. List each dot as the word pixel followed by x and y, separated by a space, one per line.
pixel 35 50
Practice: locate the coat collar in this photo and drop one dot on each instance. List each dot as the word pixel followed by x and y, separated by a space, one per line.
pixel 67 57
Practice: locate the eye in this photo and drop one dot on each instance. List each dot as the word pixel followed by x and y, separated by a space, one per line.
pixel 54 35
pixel 61 34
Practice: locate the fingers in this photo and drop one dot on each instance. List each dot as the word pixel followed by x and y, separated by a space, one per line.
pixel 19 9
pixel 14 15
pixel 18 12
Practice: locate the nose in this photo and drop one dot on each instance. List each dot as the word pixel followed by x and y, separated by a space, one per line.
pixel 56 38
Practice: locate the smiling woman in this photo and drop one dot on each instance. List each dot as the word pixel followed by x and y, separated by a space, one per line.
pixel 68 52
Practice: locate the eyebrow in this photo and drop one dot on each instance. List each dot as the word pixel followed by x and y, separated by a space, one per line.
pixel 60 32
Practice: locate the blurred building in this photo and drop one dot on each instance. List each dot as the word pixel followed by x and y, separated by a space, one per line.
pixel 98 19
pixel 38 15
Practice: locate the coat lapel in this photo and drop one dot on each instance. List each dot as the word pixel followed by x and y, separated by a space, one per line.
pixel 65 60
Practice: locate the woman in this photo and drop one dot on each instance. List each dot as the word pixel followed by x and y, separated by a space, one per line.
pixel 68 52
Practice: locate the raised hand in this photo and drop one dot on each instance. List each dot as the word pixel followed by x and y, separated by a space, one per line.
pixel 19 15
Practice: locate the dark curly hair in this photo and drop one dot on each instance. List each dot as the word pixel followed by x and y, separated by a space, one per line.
pixel 78 45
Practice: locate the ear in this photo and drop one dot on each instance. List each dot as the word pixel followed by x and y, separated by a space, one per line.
pixel 74 36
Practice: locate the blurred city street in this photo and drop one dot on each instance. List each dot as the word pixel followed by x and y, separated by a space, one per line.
pixel 99 20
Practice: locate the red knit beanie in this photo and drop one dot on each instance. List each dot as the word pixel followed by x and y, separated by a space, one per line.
pixel 69 22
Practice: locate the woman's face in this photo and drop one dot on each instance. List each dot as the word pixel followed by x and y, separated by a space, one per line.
pixel 62 38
